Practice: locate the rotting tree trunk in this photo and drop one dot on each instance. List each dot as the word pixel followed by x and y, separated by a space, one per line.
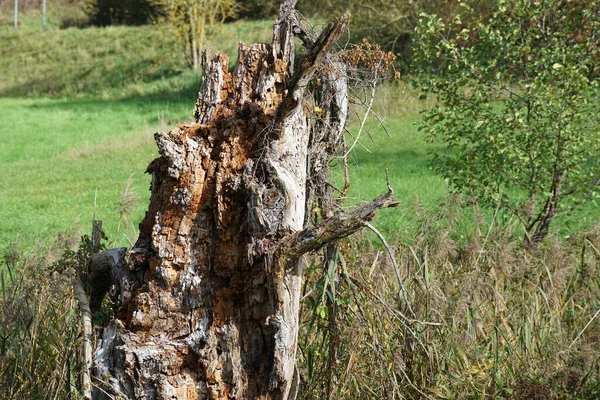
pixel 207 303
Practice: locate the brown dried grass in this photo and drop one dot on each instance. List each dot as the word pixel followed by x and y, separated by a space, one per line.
pixel 493 321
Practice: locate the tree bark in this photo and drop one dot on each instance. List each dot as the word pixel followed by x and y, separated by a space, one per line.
pixel 207 305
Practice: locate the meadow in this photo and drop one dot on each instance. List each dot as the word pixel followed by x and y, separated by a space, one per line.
pixel 80 107
pixel 65 161
pixel 78 110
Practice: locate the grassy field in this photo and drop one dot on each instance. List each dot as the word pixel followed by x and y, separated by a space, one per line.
pixel 79 108
pixel 108 63
pixel 63 159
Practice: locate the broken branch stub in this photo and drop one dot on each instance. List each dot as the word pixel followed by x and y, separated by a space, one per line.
pixel 214 279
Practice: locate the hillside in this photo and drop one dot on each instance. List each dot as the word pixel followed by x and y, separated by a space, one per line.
pixel 115 62
pixel 78 110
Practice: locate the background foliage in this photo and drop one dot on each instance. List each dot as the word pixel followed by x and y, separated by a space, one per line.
pixel 123 12
pixel 191 19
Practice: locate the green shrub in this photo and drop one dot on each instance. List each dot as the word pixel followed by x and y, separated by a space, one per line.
pixel 123 12
pixel 518 105
pixel 258 9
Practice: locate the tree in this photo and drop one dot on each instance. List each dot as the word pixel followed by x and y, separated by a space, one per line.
pixel 389 23
pixel 258 9
pixel 191 19
pixel 123 12
pixel 518 107
pixel 206 304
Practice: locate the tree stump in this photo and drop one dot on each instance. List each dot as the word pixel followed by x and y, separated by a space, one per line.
pixel 207 307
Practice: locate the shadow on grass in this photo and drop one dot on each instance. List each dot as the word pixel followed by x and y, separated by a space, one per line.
pixel 170 85
pixel 170 102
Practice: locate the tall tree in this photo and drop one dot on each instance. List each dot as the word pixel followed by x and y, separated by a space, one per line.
pixel 206 304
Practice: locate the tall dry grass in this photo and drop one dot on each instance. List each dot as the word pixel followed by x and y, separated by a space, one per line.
pixel 39 325
pixel 486 318
pixel 40 328
pixel 491 320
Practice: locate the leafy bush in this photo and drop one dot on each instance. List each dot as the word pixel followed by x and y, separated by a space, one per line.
pixel 518 105
pixel 192 20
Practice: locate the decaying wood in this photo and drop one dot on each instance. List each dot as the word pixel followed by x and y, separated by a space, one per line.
pixel 331 96
pixel 96 236
pixel 86 307
pixel 207 302
pixel 88 336
pixel 308 66
pixel 108 272
pixel 336 227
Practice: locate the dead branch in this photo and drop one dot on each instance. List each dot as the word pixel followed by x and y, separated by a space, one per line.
pixel 309 65
pixel 395 265
pixel 338 226
pixel 88 335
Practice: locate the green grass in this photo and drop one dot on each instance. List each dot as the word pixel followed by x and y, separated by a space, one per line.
pixel 78 110
pixel 64 158
pixel 114 62
pixel 405 154
pixel 59 157
pixel 94 97
pixel 59 14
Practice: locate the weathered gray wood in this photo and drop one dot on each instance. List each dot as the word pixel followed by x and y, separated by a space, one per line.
pixel 96 236
pixel 339 226
pixel 88 336
pixel 309 64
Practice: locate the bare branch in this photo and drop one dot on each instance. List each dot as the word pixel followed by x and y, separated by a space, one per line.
pixel 395 264
pixel 309 65
pixel 367 112
pixel 301 32
pixel 337 227
pixel 88 335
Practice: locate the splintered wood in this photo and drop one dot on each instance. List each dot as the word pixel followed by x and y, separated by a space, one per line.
pixel 213 282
